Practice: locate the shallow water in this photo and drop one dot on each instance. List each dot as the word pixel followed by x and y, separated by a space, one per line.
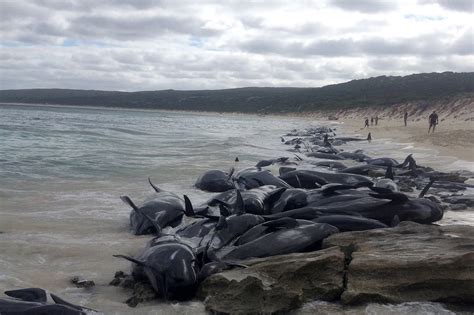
pixel 62 170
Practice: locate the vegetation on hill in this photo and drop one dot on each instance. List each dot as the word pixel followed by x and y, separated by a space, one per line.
pixel 378 91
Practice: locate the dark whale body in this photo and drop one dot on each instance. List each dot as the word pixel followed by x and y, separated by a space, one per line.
pixel 301 238
pixel 214 181
pixel 170 267
pixel 33 301
pixel 158 211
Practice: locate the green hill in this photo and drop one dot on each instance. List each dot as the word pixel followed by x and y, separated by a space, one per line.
pixel 377 91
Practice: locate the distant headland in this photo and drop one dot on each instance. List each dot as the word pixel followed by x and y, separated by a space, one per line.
pixel 364 93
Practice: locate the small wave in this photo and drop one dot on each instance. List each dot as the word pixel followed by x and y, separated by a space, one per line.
pixel 130 132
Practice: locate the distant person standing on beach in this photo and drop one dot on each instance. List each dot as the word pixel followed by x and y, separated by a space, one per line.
pixel 405 117
pixel 366 123
pixel 326 140
pixel 372 120
pixel 433 119
pixel 369 137
pixel 376 120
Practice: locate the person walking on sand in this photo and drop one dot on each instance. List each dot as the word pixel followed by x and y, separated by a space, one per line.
pixel 366 123
pixel 433 119
pixel 372 120
pixel 369 137
pixel 376 120
pixel 405 117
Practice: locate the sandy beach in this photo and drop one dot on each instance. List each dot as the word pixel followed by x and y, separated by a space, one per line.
pixel 454 135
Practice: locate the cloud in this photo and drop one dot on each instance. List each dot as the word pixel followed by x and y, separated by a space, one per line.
pixel 134 27
pixel 365 6
pixel 162 44
pixel 464 44
pixel 457 5
pixel 368 46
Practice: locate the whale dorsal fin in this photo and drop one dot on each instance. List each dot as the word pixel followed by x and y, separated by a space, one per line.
pixel 129 202
pixel 154 186
pixel 188 207
pixel 389 172
pixel 239 206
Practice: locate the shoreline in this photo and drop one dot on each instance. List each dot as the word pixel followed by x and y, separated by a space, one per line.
pixel 454 137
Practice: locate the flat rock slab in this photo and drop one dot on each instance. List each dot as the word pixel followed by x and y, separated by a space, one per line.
pixel 276 284
pixel 411 262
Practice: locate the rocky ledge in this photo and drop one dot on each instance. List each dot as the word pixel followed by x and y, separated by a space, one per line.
pixel 411 262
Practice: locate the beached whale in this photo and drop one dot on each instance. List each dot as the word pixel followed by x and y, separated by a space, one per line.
pixel 363 169
pixel 330 164
pixel 303 179
pixel 313 179
pixel 301 238
pixel 156 212
pixel 249 178
pixel 258 200
pixel 263 163
pixel 356 156
pixel 229 229
pixel 386 208
pixel 197 233
pixel 268 227
pixel 350 223
pixel 383 162
pixel 292 198
pixel 170 267
pixel 33 301
pixel 215 181
pixel 326 156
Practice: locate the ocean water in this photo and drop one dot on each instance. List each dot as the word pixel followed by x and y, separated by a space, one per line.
pixel 62 170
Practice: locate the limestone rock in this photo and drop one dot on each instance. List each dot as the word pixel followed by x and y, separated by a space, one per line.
pixel 276 284
pixel 411 262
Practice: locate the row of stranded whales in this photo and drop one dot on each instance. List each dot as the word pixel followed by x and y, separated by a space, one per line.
pixel 34 301
pixel 255 213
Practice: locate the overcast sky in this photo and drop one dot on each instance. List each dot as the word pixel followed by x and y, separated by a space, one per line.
pixel 136 45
